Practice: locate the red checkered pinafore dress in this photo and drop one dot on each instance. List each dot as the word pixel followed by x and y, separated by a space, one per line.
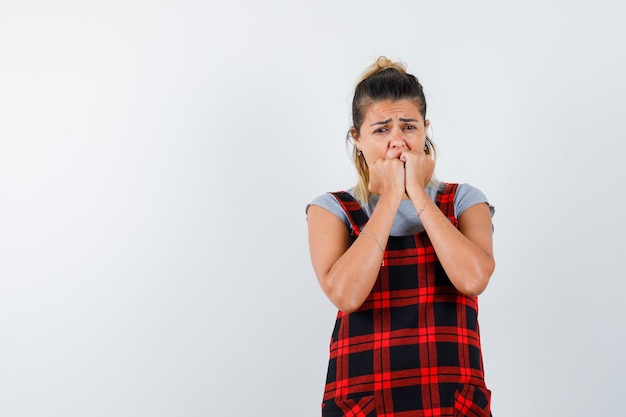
pixel 413 347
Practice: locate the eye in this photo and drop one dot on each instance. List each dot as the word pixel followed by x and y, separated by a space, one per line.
pixel 381 130
pixel 410 127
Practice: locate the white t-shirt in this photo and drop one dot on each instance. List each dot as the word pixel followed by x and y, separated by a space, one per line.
pixel 406 222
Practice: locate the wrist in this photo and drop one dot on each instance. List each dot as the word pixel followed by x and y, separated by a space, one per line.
pixel 392 193
pixel 391 200
pixel 417 194
pixel 420 200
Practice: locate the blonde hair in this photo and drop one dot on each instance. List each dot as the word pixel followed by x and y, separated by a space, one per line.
pixel 382 63
pixel 383 80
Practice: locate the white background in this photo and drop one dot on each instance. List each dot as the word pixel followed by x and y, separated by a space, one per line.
pixel 156 159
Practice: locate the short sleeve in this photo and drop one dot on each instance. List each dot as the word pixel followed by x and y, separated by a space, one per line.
pixel 468 196
pixel 329 202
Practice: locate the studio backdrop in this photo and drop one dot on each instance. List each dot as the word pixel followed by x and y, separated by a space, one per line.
pixel 156 159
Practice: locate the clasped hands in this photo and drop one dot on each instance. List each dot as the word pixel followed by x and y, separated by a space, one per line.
pixel 408 174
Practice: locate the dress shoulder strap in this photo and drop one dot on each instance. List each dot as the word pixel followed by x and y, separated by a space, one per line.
pixel 354 211
pixel 445 201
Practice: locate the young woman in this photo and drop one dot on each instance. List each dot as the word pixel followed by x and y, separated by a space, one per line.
pixel 403 257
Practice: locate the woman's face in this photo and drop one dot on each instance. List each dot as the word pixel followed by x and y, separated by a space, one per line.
pixel 390 128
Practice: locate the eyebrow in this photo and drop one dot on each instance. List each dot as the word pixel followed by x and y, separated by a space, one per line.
pixel 384 122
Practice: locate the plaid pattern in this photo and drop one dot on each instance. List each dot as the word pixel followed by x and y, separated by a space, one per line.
pixel 413 347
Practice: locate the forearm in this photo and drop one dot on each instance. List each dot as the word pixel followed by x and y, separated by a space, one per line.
pixel 352 277
pixel 467 265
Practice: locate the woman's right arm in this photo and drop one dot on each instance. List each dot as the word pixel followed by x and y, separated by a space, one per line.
pixel 347 272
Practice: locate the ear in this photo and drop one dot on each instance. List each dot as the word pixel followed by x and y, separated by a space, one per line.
pixel 355 137
pixel 426 123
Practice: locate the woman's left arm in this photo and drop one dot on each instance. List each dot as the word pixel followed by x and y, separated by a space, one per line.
pixel 466 253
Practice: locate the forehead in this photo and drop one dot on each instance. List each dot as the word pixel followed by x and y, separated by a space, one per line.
pixel 389 109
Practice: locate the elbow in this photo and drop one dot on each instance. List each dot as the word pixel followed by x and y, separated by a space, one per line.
pixel 346 303
pixel 344 289
pixel 345 299
pixel 476 281
pixel 348 307
pixel 476 288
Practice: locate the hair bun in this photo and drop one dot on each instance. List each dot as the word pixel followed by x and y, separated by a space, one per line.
pixel 381 64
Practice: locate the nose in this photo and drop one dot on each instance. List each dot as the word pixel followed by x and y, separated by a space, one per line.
pixel 396 139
